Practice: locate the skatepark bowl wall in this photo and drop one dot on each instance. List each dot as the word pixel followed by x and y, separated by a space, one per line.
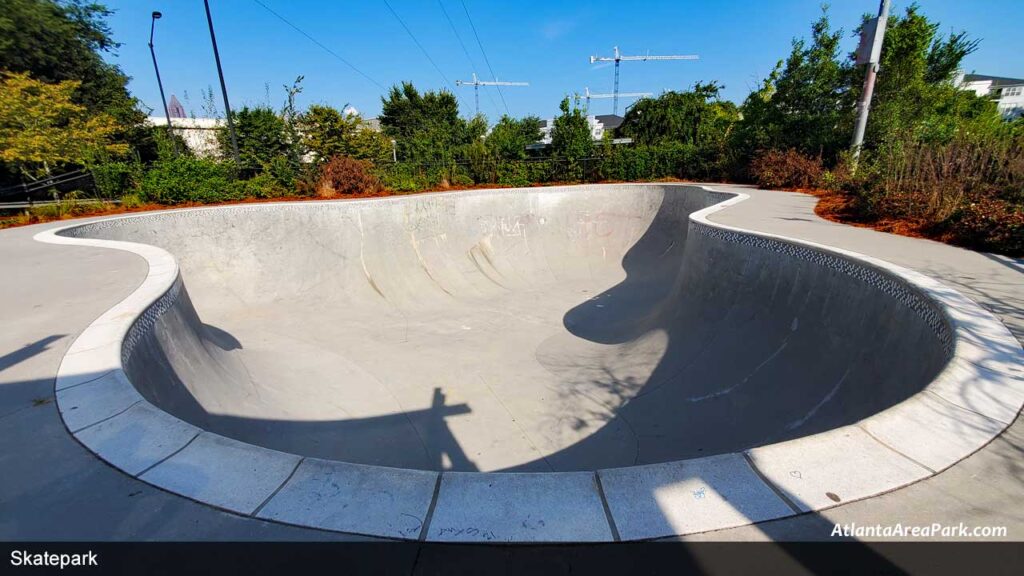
pixel 579 363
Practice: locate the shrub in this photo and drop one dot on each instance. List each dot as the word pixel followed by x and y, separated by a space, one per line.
pixel 461 179
pixel 186 179
pixel 283 172
pixel 668 160
pixel 114 179
pixel 514 174
pixel 261 135
pixel 71 205
pixel 259 186
pixel 346 176
pixel 785 169
pixel 987 224
pixel 130 201
pixel 400 177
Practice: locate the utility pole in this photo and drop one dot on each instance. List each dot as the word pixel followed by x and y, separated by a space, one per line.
pixel 223 86
pixel 869 52
pixel 476 84
pixel 618 57
pixel 587 95
pixel 152 51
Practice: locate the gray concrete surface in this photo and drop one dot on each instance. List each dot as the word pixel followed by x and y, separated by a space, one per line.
pixel 549 330
pixel 982 490
pixel 51 487
pixel 225 341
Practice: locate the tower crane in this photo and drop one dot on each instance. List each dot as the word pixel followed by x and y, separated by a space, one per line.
pixel 618 57
pixel 587 95
pixel 476 84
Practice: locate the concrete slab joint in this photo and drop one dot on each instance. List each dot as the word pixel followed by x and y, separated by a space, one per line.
pixel 977 394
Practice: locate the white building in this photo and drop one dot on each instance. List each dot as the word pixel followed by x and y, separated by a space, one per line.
pixel 598 126
pixel 199 134
pixel 1007 92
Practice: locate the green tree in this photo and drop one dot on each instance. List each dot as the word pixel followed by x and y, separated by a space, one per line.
pixel 510 136
pixel 326 133
pixel 914 95
pixel 571 139
pixel 261 137
pixel 695 117
pixel 805 104
pixel 365 143
pixel 427 127
pixel 57 41
pixel 41 127
pixel 754 131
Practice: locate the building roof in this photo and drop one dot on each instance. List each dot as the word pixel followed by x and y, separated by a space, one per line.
pixel 610 121
pixel 997 81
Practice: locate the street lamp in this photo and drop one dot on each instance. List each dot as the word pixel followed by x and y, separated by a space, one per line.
pixel 152 51
pixel 223 86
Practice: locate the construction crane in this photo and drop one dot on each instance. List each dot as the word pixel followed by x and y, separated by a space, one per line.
pixel 476 84
pixel 587 95
pixel 618 57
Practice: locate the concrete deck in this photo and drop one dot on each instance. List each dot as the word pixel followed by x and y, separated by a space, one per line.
pixel 192 453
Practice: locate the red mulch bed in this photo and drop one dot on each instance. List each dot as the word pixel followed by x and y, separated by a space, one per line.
pixel 117 209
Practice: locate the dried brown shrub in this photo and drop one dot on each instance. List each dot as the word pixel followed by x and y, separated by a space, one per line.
pixel 345 176
pixel 785 169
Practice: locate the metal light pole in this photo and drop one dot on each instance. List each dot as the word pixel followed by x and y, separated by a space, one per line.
pixel 223 86
pixel 869 52
pixel 152 52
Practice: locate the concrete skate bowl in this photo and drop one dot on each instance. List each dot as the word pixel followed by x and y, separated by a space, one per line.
pixel 576 363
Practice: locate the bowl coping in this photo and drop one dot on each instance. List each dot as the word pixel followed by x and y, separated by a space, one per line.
pixel 974 398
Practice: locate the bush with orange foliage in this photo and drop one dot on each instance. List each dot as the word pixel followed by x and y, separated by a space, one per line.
pixel 785 169
pixel 345 176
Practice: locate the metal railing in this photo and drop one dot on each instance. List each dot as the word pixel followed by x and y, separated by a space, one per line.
pixel 27 188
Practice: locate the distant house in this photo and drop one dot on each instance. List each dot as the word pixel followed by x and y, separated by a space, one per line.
pixel 1007 92
pixel 599 125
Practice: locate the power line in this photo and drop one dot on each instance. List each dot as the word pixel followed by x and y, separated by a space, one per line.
pixel 484 52
pixel 457 36
pixel 424 50
pixel 465 51
pixel 317 42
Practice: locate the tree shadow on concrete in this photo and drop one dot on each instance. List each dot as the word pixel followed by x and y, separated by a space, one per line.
pixel 758 349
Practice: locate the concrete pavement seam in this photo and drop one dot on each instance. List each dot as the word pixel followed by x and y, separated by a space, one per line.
pixel 607 509
pixel 100 421
pixel 933 394
pixel 168 457
pixel 430 509
pixel 256 512
pixel 771 486
pixel 895 451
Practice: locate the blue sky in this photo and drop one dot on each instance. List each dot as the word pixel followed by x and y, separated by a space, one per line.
pixel 546 43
